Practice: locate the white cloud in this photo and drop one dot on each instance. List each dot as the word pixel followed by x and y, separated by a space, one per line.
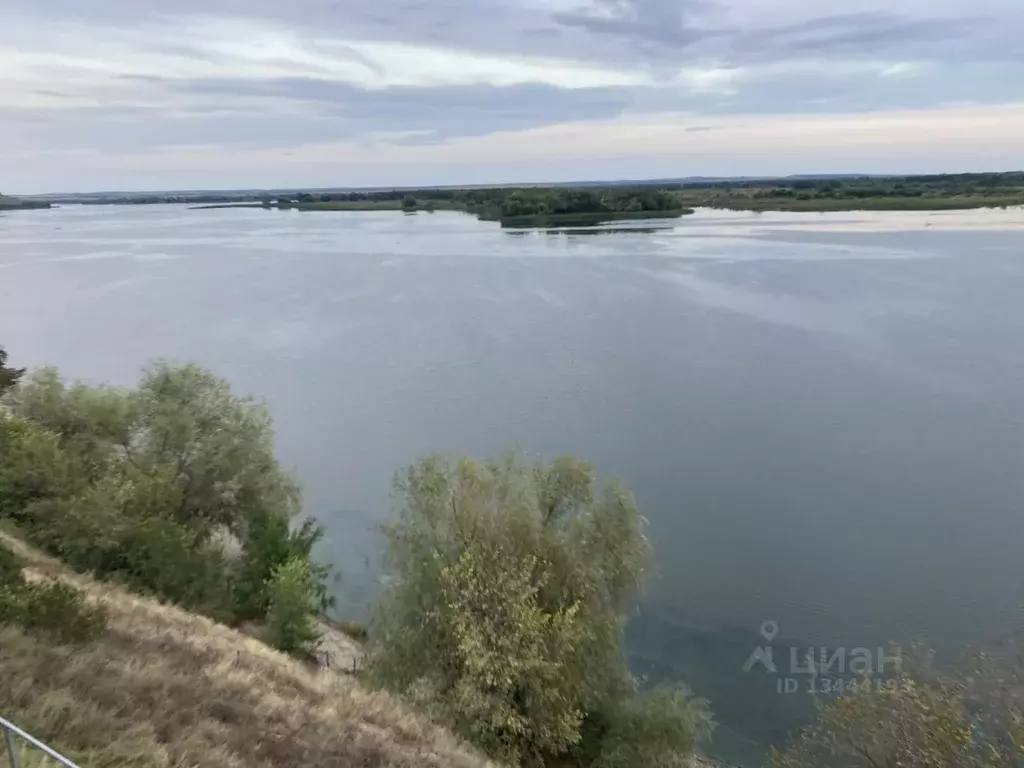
pixel 93 63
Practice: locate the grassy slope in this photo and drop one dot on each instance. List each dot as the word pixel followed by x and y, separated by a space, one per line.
pixel 168 688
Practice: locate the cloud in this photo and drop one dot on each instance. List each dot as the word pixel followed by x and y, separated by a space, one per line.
pixel 660 23
pixel 133 76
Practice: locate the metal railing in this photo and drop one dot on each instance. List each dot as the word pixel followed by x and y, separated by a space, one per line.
pixel 11 730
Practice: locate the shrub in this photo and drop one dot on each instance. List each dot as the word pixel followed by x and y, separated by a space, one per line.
pixel 510 584
pixel 912 722
pixel 11 584
pixel 269 545
pixel 143 486
pixel 291 614
pixel 51 608
pixel 33 466
pixel 61 612
pixel 10 567
pixel 657 729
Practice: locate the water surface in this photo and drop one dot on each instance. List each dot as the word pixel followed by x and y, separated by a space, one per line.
pixel 822 416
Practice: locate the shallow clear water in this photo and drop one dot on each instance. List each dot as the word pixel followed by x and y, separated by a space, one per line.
pixel 822 416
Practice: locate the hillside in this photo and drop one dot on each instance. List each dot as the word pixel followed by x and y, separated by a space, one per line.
pixel 169 688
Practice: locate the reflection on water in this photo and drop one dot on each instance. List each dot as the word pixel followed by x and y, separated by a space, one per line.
pixel 586 231
pixel 822 416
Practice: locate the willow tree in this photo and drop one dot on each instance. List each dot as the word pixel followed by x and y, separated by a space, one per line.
pixel 509 588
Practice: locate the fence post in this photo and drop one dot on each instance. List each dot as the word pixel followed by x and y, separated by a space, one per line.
pixel 12 755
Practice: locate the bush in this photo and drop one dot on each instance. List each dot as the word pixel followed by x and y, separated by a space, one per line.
pixel 10 567
pixel 912 721
pixel 143 486
pixel 657 729
pixel 291 615
pixel 33 467
pixel 269 545
pixel 50 608
pixel 510 584
pixel 61 612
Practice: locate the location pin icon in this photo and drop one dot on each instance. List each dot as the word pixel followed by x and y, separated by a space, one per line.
pixel 769 629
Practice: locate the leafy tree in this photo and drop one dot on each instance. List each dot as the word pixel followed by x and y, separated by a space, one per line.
pixel 509 588
pixel 8 376
pixel 922 718
pixel 91 424
pixel 33 467
pixel 291 616
pixel 659 728
pixel 217 448
pixel 270 545
pixel 409 203
pixel 150 485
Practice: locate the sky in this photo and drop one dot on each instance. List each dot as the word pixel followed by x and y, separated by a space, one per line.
pixel 218 94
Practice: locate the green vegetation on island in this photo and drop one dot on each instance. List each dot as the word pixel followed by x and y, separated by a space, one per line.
pixel 14 203
pixel 588 203
pixel 896 193
pixel 558 206
pixel 511 206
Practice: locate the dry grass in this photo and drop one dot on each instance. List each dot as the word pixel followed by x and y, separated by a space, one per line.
pixel 166 688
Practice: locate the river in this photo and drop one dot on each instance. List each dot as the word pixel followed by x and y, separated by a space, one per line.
pixel 822 416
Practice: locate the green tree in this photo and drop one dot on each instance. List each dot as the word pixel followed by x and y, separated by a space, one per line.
pixel 218 448
pixel 905 722
pixel 510 584
pixel 269 545
pixel 8 376
pixel 291 625
pixel 155 486
pixel 659 729
pixel 409 203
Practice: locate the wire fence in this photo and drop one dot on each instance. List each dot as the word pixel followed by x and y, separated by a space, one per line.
pixel 29 743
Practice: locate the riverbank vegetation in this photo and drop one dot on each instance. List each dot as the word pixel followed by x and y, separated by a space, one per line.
pixel 152 556
pixel 170 488
pixel 898 193
pixel 547 205
pixel 965 715
pixel 568 206
pixel 512 207
pixel 504 620
pixel 509 588
pixel 8 203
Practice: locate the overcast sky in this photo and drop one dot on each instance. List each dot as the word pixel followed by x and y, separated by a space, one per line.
pixel 139 94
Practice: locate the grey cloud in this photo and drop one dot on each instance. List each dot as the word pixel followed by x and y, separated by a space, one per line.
pixel 656 34
pixel 858 34
pixel 290 112
pixel 658 22
pixel 445 111
pixel 230 112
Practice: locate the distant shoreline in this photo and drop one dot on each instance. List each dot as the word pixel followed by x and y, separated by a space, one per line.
pixel 541 205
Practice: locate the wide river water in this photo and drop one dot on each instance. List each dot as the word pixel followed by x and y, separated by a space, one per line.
pixel 821 416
